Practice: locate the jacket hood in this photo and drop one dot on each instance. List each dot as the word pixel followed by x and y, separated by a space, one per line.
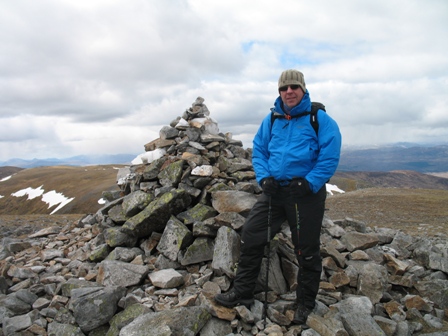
pixel 304 105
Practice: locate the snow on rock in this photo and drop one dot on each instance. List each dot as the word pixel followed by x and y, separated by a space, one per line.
pixel 149 157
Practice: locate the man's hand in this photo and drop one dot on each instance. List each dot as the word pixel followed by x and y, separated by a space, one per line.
pixel 299 187
pixel 269 185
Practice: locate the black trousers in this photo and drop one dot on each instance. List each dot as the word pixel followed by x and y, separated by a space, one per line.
pixel 304 216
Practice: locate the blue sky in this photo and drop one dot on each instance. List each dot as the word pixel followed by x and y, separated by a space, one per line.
pixel 104 76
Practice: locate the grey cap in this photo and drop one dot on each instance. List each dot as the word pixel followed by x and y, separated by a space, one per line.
pixel 292 77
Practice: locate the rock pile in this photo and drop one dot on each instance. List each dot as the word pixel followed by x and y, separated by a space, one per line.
pixel 152 259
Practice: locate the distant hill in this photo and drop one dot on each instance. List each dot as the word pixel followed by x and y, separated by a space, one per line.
pixel 400 156
pixel 80 160
pixel 8 171
pixel 423 159
pixel 350 181
pixel 86 184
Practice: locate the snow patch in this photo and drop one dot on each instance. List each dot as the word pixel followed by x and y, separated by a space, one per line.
pixel 31 192
pixel 149 157
pixel 333 188
pixel 51 198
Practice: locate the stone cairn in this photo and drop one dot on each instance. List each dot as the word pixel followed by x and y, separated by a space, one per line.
pixel 151 260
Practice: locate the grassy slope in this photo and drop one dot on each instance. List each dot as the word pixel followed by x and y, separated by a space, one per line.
pixel 85 184
pixel 413 211
pixel 416 210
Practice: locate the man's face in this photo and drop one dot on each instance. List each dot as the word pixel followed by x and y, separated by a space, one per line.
pixel 291 95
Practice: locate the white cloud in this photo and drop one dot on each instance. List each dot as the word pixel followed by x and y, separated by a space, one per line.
pixel 79 77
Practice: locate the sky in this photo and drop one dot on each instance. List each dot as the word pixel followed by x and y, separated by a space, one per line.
pixel 104 76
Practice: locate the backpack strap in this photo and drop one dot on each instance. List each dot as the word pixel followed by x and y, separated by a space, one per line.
pixel 315 106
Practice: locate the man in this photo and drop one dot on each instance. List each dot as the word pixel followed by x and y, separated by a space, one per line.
pixel 292 162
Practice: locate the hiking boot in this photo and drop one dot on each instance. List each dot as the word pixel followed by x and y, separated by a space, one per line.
pixel 301 314
pixel 232 299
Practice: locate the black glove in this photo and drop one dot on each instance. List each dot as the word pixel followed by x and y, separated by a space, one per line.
pixel 269 185
pixel 299 187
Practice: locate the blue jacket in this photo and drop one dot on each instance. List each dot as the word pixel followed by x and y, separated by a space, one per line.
pixel 292 148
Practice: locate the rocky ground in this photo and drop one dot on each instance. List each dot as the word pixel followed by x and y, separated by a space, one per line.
pixel 68 284
pixel 23 225
pixel 417 212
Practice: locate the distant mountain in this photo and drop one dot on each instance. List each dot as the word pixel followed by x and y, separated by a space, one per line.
pixel 80 160
pixel 402 156
pixel 399 156
pixel 353 180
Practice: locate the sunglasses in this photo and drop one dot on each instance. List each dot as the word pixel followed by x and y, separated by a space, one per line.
pixel 285 88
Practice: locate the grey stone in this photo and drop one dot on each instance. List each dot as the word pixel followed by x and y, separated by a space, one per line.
pixel 388 326
pixel 201 250
pixel 135 202
pixel 199 212
pixel 168 132
pixel 125 317
pixel 116 236
pixel 231 219
pixel 372 281
pixel 93 307
pixel 327 325
pixel 233 201
pixel 14 304
pixel 157 213
pixel 361 325
pixel 216 327
pixel 175 238
pixel 125 254
pixel 359 241
pixel 181 321
pixel 226 252
pixel 276 280
pixel 167 278
pixel 15 324
pixel 118 273
pixel 170 176
pixel 60 329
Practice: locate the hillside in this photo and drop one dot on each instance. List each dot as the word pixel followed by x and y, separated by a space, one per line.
pixel 411 201
pixel 421 158
pixel 353 180
pixel 416 212
pixel 84 184
pixel 8 171
pixel 407 200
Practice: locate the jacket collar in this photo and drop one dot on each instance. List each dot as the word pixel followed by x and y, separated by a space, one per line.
pixel 304 105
